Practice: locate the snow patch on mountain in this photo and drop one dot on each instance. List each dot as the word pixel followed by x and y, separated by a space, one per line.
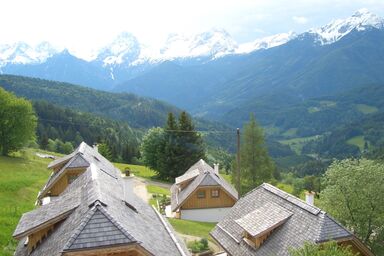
pixel 337 29
pixel 124 49
pixel 266 42
pixel 23 53
pixel 213 44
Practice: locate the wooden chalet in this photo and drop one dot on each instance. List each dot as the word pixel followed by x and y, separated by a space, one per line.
pixel 202 194
pixel 93 211
pixel 269 221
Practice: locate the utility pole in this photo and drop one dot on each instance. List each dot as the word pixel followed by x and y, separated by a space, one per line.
pixel 238 162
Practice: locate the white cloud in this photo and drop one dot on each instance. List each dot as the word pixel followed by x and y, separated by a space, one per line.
pixel 300 19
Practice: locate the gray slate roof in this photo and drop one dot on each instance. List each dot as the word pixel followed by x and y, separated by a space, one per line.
pixel 264 218
pixel 107 213
pixel 304 223
pixel 206 177
pixel 82 157
pixel 98 229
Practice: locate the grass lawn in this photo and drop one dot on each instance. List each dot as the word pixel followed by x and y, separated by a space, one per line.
pixel 193 228
pixel 21 177
pixel 138 170
pixel 152 189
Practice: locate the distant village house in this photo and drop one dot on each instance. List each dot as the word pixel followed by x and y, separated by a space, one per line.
pixel 201 194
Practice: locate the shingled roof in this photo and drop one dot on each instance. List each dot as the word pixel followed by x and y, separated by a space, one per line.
pixel 298 220
pixel 82 157
pixel 98 209
pixel 199 174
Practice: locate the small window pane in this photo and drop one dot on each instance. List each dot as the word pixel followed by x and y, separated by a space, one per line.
pixel 214 193
pixel 200 194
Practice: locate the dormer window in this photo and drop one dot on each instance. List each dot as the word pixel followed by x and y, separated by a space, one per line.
pixel 258 225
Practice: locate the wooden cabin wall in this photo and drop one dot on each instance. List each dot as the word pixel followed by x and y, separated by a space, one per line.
pixel 63 182
pixel 193 202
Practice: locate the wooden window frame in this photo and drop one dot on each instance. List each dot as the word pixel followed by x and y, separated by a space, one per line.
pixel 200 194
pixel 215 190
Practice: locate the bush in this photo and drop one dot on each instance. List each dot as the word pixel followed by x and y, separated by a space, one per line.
pixel 198 246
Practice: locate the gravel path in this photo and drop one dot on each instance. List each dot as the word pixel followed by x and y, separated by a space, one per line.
pixel 156 183
pixel 138 187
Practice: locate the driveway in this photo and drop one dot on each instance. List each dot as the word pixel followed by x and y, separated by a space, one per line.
pixel 137 186
pixel 153 182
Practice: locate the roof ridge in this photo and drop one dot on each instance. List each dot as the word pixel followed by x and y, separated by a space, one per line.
pixel 291 198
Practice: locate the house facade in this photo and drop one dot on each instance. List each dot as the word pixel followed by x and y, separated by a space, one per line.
pixel 201 194
pixel 95 212
pixel 269 221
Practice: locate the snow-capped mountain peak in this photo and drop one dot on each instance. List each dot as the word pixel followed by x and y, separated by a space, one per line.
pixel 337 29
pixel 266 42
pixel 23 53
pixel 124 48
pixel 212 44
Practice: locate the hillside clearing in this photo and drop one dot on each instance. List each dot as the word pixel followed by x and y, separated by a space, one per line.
pixel 366 109
pixel 21 177
pixel 357 141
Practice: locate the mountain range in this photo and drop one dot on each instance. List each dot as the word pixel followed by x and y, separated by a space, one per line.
pixel 126 58
pixel 298 85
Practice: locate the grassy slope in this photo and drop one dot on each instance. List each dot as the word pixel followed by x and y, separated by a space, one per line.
pixel 138 170
pixel 193 228
pixel 21 178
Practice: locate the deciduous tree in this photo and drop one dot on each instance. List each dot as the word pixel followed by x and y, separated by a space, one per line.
pixel 354 195
pixel 326 249
pixel 17 122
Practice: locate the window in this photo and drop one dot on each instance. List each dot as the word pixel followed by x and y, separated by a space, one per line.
pixel 214 193
pixel 201 194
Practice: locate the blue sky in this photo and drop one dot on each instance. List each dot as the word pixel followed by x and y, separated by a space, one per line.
pixel 82 25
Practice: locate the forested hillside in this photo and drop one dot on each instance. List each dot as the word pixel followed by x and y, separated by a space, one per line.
pixel 138 111
pixel 66 125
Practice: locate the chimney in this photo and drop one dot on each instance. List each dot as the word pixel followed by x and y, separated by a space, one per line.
pixel 216 168
pixel 310 197
pixel 95 147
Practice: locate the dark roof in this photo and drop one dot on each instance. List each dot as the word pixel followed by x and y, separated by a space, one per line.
pixel 303 222
pixel 104 197
pixel 206 177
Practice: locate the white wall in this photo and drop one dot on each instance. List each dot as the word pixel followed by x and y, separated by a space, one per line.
pixel 207 215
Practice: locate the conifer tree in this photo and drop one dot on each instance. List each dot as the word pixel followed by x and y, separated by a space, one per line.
pixel 190 144
pixel 256 165
pixel 172 150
